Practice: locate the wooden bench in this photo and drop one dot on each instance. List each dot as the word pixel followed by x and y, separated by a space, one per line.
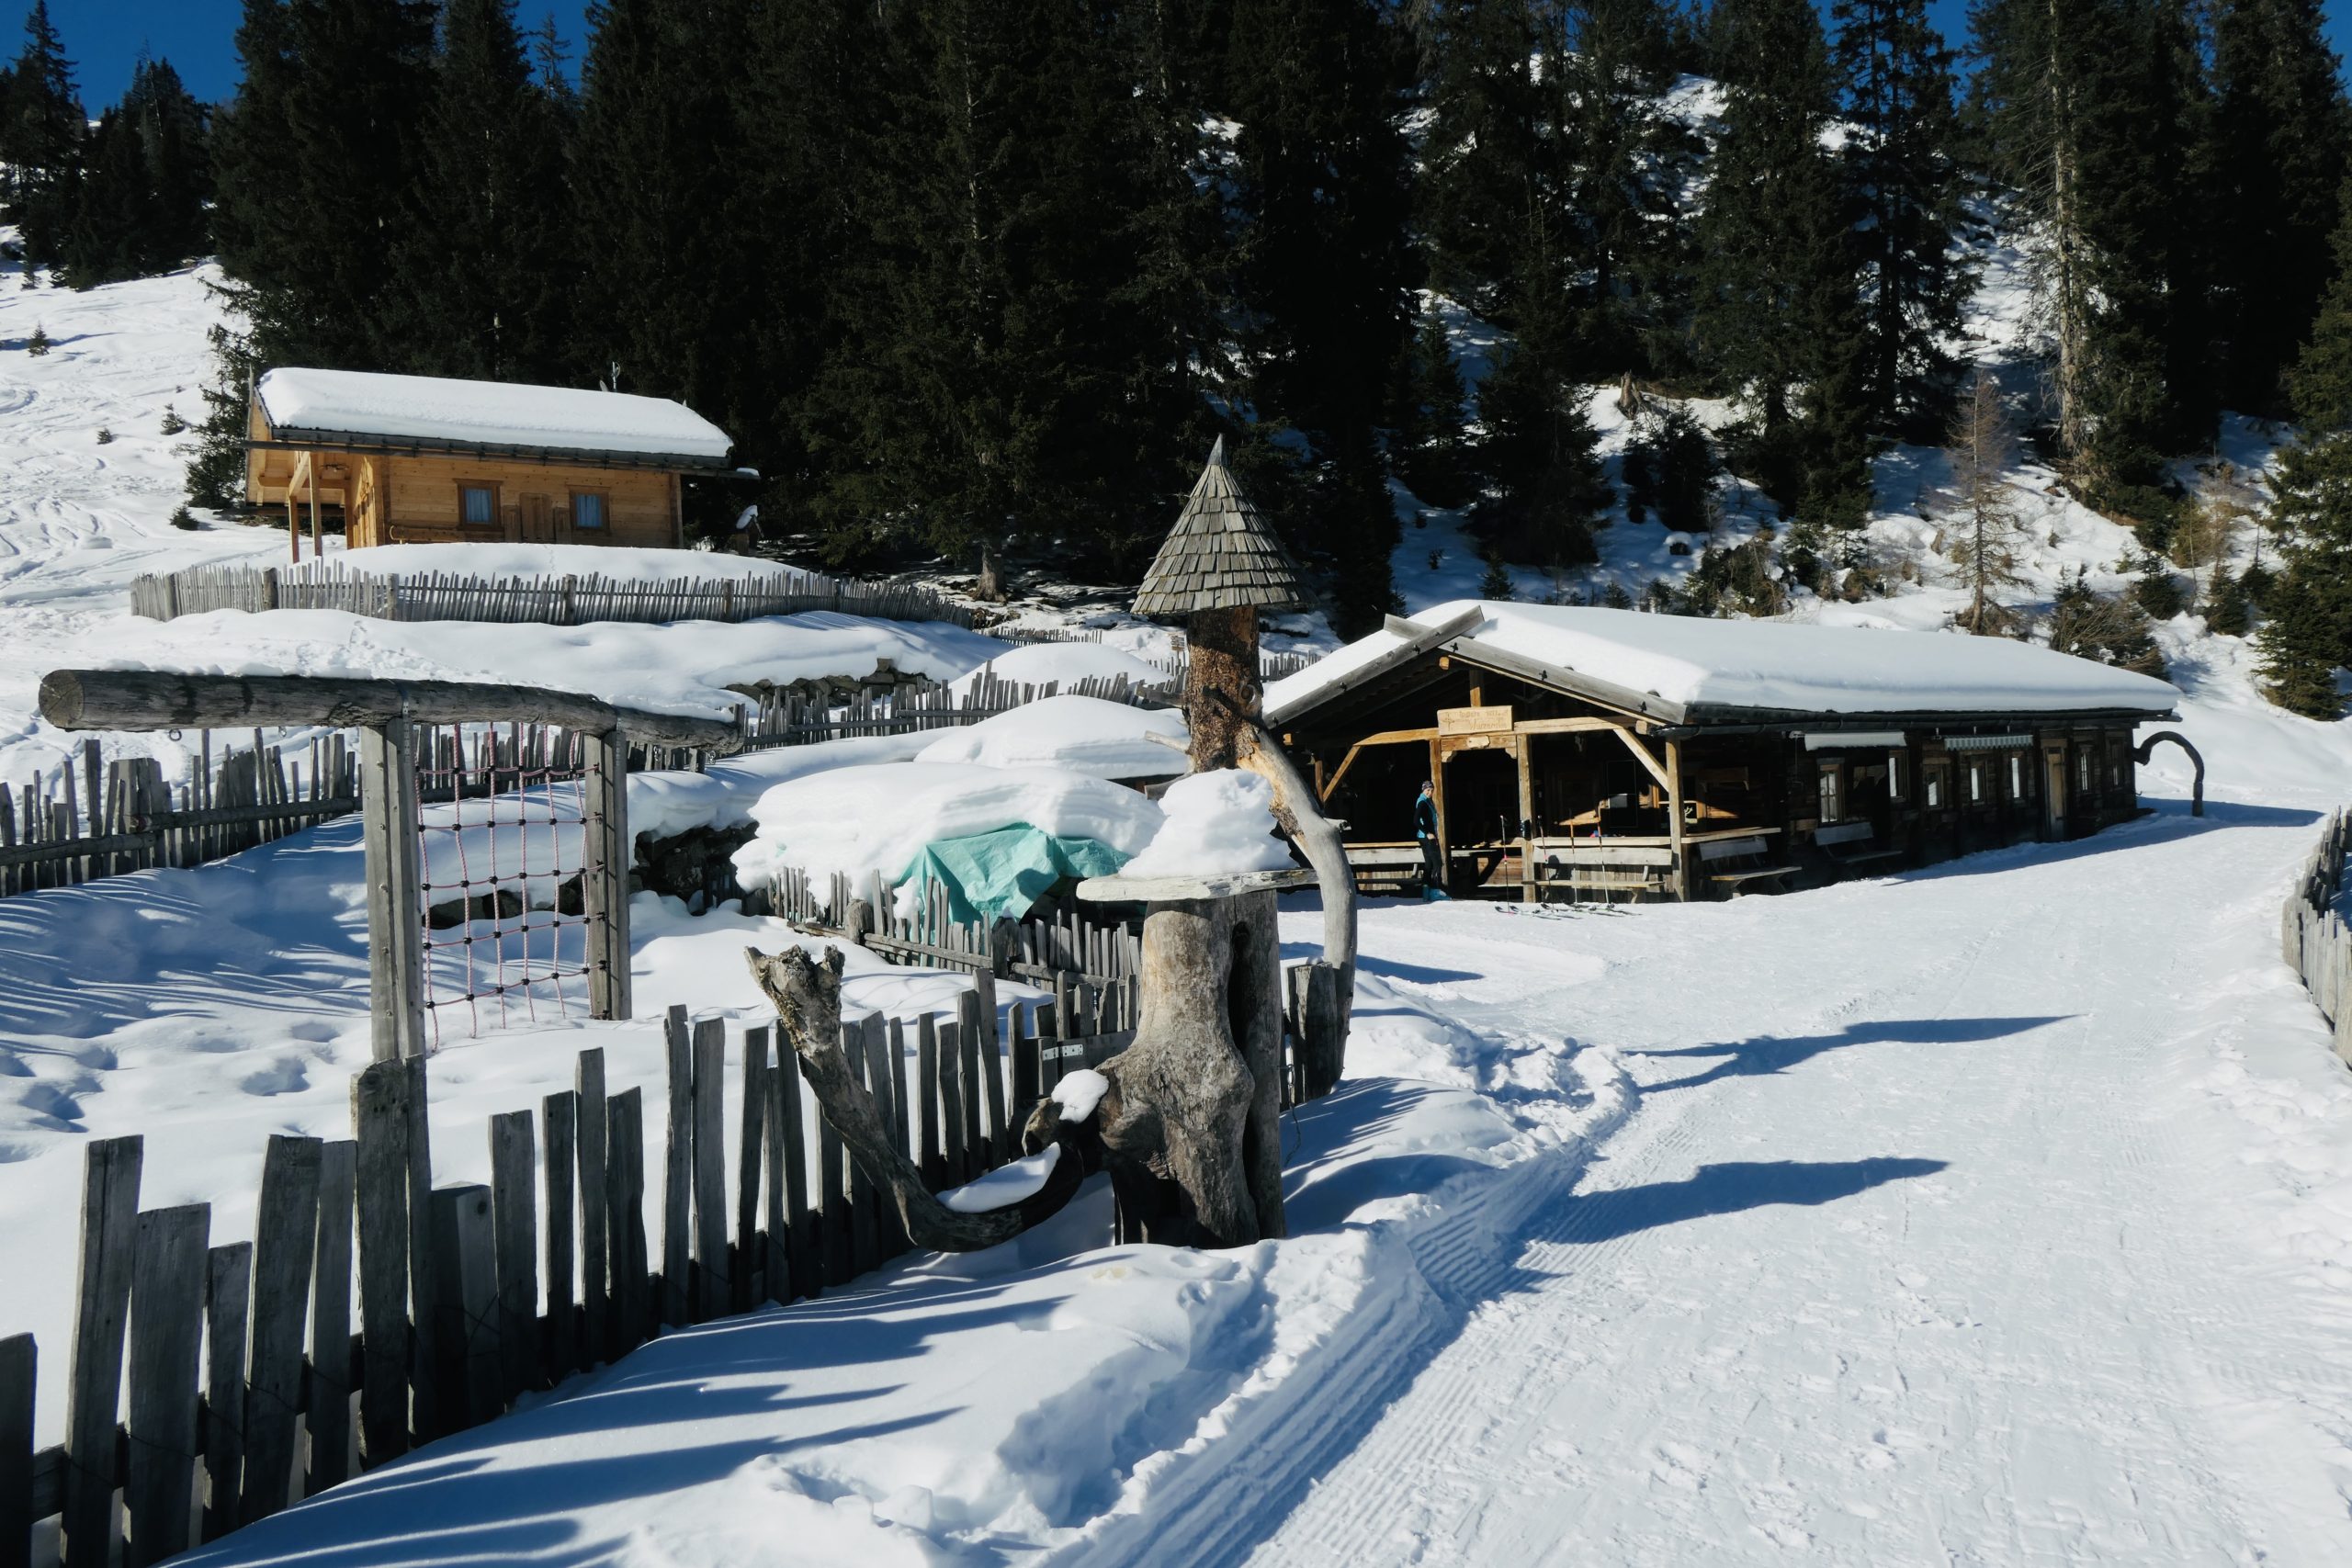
pixel 1863 836
pixel 1740 865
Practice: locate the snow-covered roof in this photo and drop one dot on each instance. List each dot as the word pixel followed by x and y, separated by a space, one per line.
pixel 432 409
pixel 1685 669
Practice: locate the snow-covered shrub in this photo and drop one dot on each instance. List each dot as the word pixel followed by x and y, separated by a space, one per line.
pixel 173 423
pixel 183 518
pixel 106 437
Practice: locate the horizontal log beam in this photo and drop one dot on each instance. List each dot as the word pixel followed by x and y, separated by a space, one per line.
pixel 150 699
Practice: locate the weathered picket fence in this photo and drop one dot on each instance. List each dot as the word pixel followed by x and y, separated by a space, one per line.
pixel 78 823
pixel 2313 936
pixel 790 719
pixel 1044 949
pixel 564 601
pixel 212 1385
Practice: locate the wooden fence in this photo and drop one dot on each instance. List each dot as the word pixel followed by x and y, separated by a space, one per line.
pixel 80 823
pixel 563 600
pixel 195 1393
pixel 1045 950
pixel 788 718
pixel 2313 937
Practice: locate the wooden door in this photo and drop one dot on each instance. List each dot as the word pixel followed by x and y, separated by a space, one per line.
pixel 2054 793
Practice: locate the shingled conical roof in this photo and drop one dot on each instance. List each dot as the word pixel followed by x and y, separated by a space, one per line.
pixel 1220 555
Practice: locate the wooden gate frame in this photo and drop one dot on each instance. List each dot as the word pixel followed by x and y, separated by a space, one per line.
pixel 387 714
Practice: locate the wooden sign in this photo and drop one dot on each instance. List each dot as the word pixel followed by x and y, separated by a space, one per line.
pixel 1472 721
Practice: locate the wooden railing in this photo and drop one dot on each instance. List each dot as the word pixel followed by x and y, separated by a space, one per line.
pixel 2313 937
pixel 469 1296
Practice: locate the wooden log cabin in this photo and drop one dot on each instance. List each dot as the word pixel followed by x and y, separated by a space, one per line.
pixel 1604 753
pixel 414 459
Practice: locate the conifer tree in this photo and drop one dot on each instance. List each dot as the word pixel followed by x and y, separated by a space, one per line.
pixel 1429 444
pixel 40 140
pixel 1319 173
pixel 1482 159
pixel 140 204
pixel 2282 132
pixel 1778 316
pixel 1904 189
pixel 488 251
pixel 1981 448
pixel 1607 62
pixel 2306 634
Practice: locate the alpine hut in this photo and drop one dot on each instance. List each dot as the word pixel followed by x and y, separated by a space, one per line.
pixel 1219 566
pixel 1581 751
pixel 408 459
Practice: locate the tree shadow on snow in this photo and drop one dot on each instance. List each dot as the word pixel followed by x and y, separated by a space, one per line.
pixel 1769 1054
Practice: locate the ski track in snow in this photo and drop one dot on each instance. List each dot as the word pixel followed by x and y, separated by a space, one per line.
pixel 1938 1254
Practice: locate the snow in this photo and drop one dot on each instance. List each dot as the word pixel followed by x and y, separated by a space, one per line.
pixel 432 408
pixel 1691 661
pixel 1087 735
pixel 1998 1212
pixel 1066 663
pixel 1008 1184
pixel 1079 1092
pixel 689 667
pixel 1216 823
pixel 874 820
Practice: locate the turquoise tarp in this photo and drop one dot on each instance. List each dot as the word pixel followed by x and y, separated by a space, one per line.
pixel 1003 872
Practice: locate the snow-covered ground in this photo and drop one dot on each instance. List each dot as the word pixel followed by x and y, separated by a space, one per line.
pixel 1996 1214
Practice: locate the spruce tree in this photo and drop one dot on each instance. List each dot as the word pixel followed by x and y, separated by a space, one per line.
pixel 1626 166
pixel 140 204
pixel 1429 446
pixel 1905 189
pixel 1321 196
pixel 1779 316
pixel 1484 155
pixel 489 249
pixel 2282 133
pixel 40 140
pixel 2306 634
pixel 1981 449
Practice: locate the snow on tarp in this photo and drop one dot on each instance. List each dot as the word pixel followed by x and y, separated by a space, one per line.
pixel 882 819
pixel 497 414
pixel 1216 823
pixel 1086 735
pixel 1067 663
pixel 692 667
pixel 1779 665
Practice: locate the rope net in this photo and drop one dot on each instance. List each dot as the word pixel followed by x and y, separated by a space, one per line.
pixel 502 851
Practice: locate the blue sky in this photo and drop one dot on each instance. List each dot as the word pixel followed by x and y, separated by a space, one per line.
pixel 104 36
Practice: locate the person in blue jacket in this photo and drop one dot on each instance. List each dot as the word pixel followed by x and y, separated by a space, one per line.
pixel 1425 830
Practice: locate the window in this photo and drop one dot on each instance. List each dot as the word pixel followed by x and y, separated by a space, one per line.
pixel 477 506
pixel 1934 784
pixel 1976 782
pixel 2083 770
pixel 2017 776
pixel 587 509
pixel 1831 793
pixel 1898 779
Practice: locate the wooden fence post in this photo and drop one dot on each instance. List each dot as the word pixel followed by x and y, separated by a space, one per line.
pixel 110 1221
pixel 678 1172
pixel 227 1290
pixel 380 1128
pixel 19 1361
pixel 395 894
pixel 865 1248
pixel 285 1232
pixel 933 1164
pixel 167 1325
pixel 433 1416
pixel 595 1246
pixel 803 1269
pixel 562 1354
pixel 712 1295
pixel 748 1263
pixel 607 853
pixel 625 1217
pixel 468 1275
pixel 330 1387
pixel 514 1243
